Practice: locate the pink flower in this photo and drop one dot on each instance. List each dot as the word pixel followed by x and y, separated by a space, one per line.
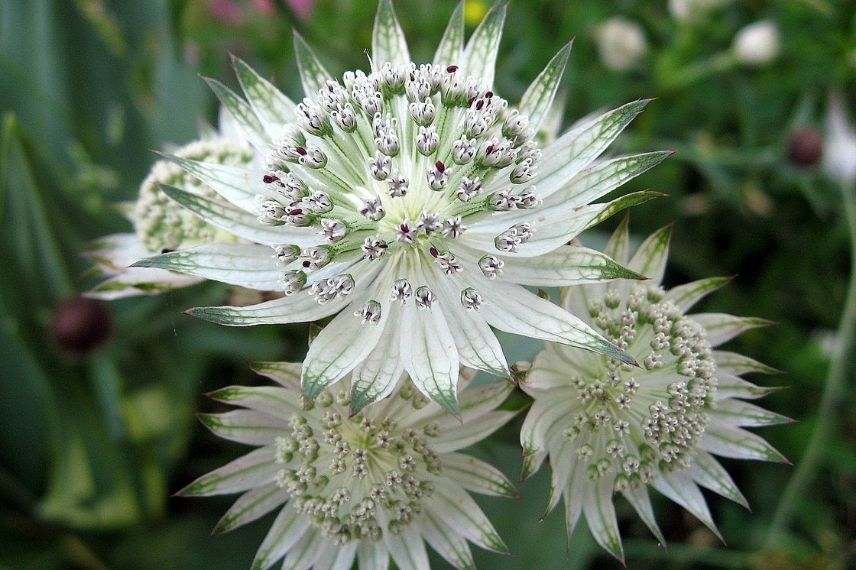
pixel 266 7
pixel 226 11
pixel 301 8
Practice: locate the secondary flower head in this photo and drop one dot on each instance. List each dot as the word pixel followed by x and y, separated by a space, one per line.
pixel 758 43
pixel 368 486
pixel 160 224
pixel 610 429
pixel 412 202
pixel 621 43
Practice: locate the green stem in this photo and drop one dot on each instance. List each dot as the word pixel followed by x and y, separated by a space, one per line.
pixel 832 394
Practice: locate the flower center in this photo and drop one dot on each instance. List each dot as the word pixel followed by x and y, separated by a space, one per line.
pixel 404 158
pixel 635 423
pixel 355 475
pixel 163 225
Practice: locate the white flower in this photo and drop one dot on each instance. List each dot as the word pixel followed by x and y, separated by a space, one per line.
pixel 693 10
pixel 434 185
pixel 757 44
pixel 160 224
pixel 609 428
pixel 839 153
pixel 368 486
pixel 620 43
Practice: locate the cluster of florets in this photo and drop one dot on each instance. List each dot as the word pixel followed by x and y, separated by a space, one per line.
pixel 400 157
pixel 342 471
pixel 632 424
pixel 164 225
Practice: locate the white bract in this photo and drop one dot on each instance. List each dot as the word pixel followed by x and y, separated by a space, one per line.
pixel 413 203
pixel 368 486
pixel 839 153
pixel 611 429
pixel 160 224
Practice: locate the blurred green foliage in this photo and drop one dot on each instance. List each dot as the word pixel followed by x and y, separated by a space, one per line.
pixel 91 446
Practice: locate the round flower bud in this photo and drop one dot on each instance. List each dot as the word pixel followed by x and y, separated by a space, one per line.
pixel 757 44
pixel 621 44
pixel 79 325
pixel 805 147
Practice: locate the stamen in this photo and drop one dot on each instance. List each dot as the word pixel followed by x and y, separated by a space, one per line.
pixel 373 248
pixel 292 282
pixel 401 290
pixel 372 209
pixel 370 312
pixel 424 297
pixel 491 266
pixel 471 299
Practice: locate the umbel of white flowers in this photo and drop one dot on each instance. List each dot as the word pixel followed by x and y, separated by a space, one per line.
pixel 161 225
pixel 413 203
pixel 369 486
pixel 609 428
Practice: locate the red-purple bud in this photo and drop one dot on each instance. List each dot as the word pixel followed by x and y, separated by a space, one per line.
pixel 805 147
pixel 79 325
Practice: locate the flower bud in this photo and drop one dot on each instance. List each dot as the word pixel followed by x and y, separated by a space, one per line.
pixel 621 44
pixel 757 44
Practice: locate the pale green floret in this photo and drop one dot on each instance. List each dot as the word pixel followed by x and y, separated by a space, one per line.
pixel 160 223
pixel 350 474
pixel 632 429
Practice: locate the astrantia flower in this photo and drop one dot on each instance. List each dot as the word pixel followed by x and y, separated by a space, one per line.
pixel 376 484
pixel 414 202
pixel 161 225
pixel 612 429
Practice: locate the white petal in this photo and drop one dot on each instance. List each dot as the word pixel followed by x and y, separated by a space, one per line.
pixel 243 114
pixel 407 549
pixel 618 246
pixel 475 402
pixel 271 106
pixel 252 505
pixel 687 295
pixel 511 308
pixel 255 469
pixel 346 341
pixel 707 472
pixel 372 555
pixel 477 346
pixel 114 253
pixel 738 365
pixel 246 265
pixel 430 356
pixel 312 72
pixel 241 223
pixel 471 432
pixel 307 550
pixel 738 444
pixel 600 516
pixel 679 487
pixel 377 376
pixel 448 543
pixel 579 146
pixel 286 374
pixel 641 502
pixel 454 506
pixel 245 426
pixel 298 308
pixel 451 47
pixel 721 328
pixel 138 281
pixel 567 265
pixel 480 54
pixel 288 528
pixel 270 400
pixel 538 98
pixel 743 414
pixel 650 259
pixel 388 43
pixel 477 476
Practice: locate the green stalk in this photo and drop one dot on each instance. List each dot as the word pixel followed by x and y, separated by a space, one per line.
pixel 832 394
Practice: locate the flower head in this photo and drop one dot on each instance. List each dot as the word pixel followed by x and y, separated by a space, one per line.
pixel 621 43
pixel 162 225
pixel 426 192
pixel 757 44
pixel 368 486
pixel 611 429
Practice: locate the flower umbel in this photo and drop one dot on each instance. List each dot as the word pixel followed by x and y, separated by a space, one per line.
pixel 609 428
pixel 423 191
pixel 160 224
pixel 368 486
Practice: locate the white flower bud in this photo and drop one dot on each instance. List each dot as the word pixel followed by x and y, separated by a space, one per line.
pixel 620 43
pixel 757 44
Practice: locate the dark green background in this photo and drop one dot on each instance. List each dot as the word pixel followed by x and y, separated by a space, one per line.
pixel 92 447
